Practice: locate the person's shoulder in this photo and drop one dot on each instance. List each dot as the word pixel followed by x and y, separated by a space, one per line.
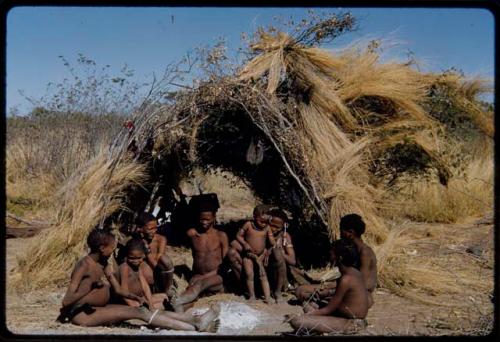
pixel 247 224
pixel 160 237
pixel 221 233
pixel 191 232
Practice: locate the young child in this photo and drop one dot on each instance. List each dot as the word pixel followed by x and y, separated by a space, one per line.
pixel 260 219
pixel 86 300
pixel 348 305
pixel 351 228
pixel 253 237
pixel 155 244
pixel 209 247
pixel 135 277
pixel 281 254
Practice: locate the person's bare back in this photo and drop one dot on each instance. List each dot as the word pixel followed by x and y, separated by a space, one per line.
pixel 349 303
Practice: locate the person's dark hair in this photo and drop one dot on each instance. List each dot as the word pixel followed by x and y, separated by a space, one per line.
pixel 347 253
pixel 99 237
pixel 354 222
pixel 207 205
pixel 135 244
pixel 260 210
pixel 276 212
pixel 143 218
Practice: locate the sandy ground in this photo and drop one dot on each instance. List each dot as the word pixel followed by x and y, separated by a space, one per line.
pixel 35 313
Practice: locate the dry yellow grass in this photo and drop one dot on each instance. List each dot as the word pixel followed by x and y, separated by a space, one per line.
pixel 467 195
pixel 84 200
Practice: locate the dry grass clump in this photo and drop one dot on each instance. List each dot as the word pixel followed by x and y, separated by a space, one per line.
pixel 467 195
pixel 93 193
pixel 421 262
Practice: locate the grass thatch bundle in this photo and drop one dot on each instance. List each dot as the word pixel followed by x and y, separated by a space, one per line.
pixel 321 121
pixel 85 199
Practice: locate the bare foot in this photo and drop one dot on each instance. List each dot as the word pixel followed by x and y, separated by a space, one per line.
pixel 268 300
pixel 209 321
pixel 252 300
pixel 178 307
pixel 279 298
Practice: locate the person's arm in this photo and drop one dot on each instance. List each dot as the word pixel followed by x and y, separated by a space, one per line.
pixel 289 251
pixel 270 237
pixel 335 301
pixel 75 292
pixel 151 259
pixel 121 287
pixel 224 244
pixel 145 289
pixel 365 267
pixel 241 238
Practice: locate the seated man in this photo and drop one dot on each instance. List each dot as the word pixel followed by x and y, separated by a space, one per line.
pixel 348 305
pixel 86 300
pixel 281 254
pixel 351 227
pixel 209 247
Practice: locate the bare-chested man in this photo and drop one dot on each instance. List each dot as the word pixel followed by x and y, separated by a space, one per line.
pixel 351 228
pixel 348 305
pixel 86 300
pixel 209 247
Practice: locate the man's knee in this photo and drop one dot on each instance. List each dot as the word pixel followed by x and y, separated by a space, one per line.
pixel 166 263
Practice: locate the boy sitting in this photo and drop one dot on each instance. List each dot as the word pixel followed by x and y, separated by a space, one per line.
pixel 155 244
pixel 281 254
pixel 349 303
pixel 135 277
pixel 86 300
pixel 209 247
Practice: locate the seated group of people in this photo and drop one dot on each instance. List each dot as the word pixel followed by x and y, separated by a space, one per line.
pixel 142 288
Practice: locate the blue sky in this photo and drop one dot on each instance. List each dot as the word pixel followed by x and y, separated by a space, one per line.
pixel 147 39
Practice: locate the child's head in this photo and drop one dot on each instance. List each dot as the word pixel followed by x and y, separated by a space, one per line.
pixel 261 216
pixel 136 252
pixel 147 224
pixel 101 241
pixel 206 212
pixel 278 220
pixel 351 226
pixel 346 253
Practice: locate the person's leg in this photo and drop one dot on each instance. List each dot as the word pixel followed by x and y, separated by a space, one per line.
pixel 99 296
pixel 304 292
pixel 370 299
pixel 196 287
pixel 236 262
pixel 249 277
pixel 201 322
pixel 321 324
pixel 279 268
pixel 112 313
pixel 164 275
